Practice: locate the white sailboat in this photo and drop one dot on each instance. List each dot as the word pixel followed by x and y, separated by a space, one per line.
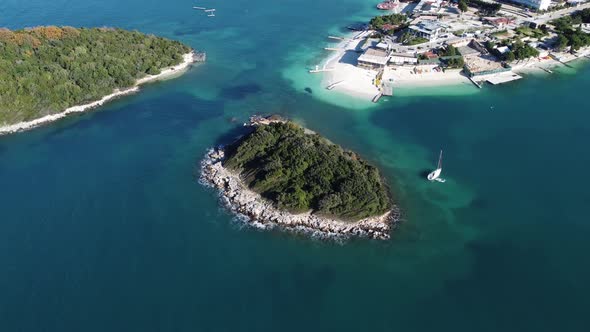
pixel 435 175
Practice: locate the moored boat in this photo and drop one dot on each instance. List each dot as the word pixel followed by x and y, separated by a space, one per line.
pixel 435 175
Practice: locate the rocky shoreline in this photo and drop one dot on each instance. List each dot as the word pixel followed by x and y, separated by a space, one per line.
pixel 260 213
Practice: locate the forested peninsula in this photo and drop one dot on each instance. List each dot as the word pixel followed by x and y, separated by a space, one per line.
pixel 46 70
pixel 283 175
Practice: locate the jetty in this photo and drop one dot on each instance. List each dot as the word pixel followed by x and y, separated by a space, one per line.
pixel 318 70
pixel 333 85
pixel 199 8
pixel 475 83
pixel 377 97
pixel 500 79
pixel 331 49
pixel 337 38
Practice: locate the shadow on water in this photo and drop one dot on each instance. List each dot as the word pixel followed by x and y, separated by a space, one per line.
pixel 233 134
pixel 177 112
pixel 424 173
pixel 191 31
pixel 242 91
pixel 308 90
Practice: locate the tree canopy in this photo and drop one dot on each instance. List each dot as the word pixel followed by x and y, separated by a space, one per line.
pixel 299 172
pixel 567 36
pixel 45 70
pixel 388 23
pixel 485 8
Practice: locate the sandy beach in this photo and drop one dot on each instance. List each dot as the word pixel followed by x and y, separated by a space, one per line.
pixel 165 73
pixel 344 76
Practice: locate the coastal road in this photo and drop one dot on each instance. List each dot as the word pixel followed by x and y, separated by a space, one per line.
pixel 544 18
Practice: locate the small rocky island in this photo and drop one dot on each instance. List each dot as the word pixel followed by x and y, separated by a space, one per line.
pixel 283 176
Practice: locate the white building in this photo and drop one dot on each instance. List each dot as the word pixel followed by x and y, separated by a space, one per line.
pixel 428 29
pixel 373 58
pixel 403 59
pixel 537 4
pixel 428 6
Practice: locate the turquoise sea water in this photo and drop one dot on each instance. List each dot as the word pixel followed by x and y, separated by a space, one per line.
pixel 103 226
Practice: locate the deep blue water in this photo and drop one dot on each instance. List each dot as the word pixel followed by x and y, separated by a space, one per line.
pixel 103 226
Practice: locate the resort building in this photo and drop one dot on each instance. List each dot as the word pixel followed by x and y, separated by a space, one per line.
pixel 383 46
pixel 537 4
pixel 430 30
pixel 428 6
pixel 499 22
pixel 373 58
pixel 402 59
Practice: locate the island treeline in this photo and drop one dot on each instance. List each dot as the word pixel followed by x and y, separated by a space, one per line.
pixel 45 70
pixel 301 172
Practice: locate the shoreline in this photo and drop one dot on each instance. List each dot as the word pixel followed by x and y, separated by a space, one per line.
pixel 168 72
pixel 259 213
pixel 344 77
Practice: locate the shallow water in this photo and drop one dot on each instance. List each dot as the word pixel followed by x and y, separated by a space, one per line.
pixel 105 228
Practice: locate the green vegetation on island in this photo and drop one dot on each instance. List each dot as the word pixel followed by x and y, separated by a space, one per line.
pixel 45 70
pixel 301 171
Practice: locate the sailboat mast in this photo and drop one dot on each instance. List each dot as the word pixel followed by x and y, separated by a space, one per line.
pixel 440 160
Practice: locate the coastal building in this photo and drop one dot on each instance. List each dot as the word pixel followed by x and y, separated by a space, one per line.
pixel 428 6
pixel 537 4
pixel 430 30
pixel 373 58
pixel 402 59
pixel 383 46
pixel 499 22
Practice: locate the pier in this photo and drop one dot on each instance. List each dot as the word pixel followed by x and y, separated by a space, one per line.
pixel 475 83
pixel 377 97
pixel 337 38
pixel 331 49
pixel 503 78
pixel 318 70
pixel 333 85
